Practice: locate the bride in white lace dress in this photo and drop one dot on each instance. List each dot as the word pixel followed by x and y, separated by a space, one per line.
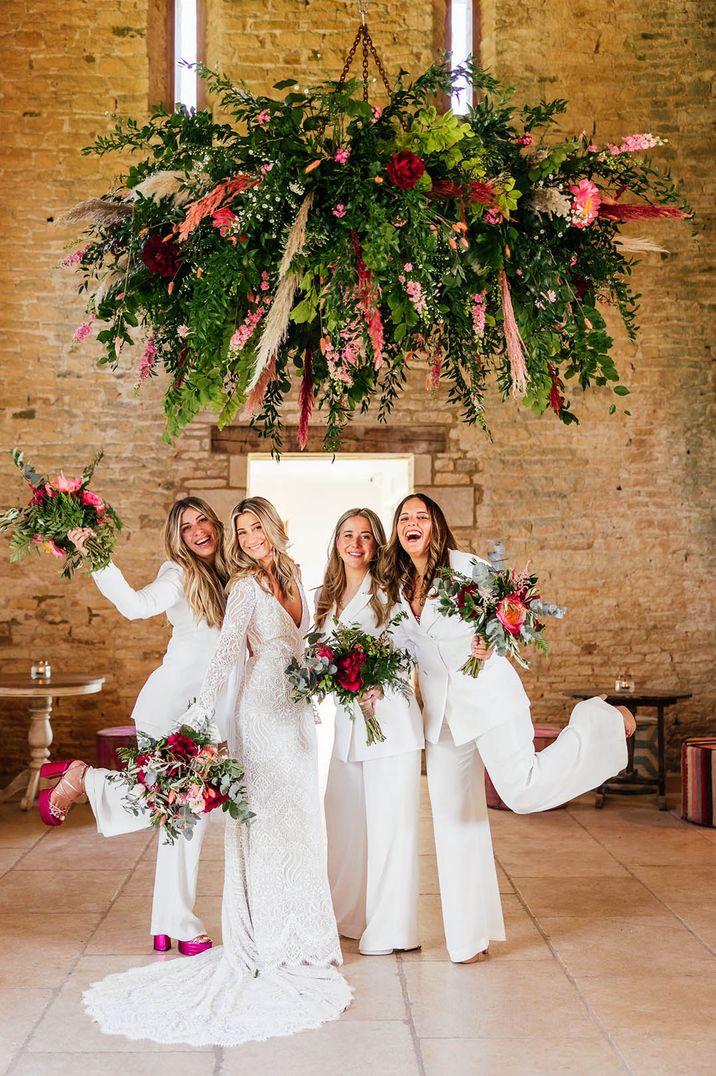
pixel 273 975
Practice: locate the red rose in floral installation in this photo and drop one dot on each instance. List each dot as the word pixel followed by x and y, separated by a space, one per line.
pixel 324 652
pixel 511 613
pixel 212 799
pixel 161 257
pixel 182 746
pixel 405 169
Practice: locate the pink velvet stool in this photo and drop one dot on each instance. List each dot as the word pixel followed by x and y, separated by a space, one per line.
pixel 108 740
pixel 544 736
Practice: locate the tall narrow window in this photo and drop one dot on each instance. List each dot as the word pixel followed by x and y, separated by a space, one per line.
pixel 186 51
pixel 461 46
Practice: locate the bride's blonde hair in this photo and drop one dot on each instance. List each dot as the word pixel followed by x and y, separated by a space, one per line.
pixel 334 580
pixel 204 582
pixel 241 565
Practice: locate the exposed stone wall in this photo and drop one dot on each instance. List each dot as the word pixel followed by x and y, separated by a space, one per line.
pixel 614 514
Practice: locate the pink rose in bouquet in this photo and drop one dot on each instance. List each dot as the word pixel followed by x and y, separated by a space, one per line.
pixel 511 613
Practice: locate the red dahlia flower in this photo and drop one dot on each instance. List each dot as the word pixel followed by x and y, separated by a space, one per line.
pixel 160 256
pixel 405 169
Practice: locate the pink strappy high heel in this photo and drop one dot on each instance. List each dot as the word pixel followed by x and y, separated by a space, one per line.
pixel 50 813
pixel 163 943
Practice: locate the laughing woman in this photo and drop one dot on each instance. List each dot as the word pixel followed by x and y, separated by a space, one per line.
pixel 373 793
pixel 189 589
pixel 477 724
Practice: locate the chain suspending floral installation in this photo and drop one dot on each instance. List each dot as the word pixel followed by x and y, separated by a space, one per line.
pixel 321 238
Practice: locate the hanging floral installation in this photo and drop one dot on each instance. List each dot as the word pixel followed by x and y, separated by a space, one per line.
pixel 321 238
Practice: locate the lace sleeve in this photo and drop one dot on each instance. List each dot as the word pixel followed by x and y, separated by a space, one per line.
pixel 230 653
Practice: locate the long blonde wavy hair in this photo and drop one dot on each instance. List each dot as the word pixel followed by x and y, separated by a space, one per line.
pixel 204 581
pixel 397 569
pixel 242 566
pixel 334 580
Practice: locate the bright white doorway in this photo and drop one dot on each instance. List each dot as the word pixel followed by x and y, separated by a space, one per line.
pixel 310 493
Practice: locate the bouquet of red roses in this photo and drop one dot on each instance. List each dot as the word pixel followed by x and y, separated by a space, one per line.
pixel 352 665
pixel 55 508
pixel 502 606
pixel 180 777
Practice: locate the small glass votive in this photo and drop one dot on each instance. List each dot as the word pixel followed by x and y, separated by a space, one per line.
pixel 40 670
pixel 624 682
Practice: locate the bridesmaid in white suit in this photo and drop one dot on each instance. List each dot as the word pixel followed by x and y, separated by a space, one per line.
pixel 473 724
pixel 190 590
pixel 373 793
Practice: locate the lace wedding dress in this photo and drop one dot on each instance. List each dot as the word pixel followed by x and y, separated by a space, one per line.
pixel 273 975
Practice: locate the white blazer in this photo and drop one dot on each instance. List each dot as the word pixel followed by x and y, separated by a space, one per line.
pixel 399 717
pixel 176 683
pixel 442 644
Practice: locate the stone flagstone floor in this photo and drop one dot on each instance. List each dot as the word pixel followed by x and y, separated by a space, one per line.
pixel 610 966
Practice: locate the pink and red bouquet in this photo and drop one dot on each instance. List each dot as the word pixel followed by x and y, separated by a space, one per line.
pixel 180 777
pixel 503 607
pixel 56 506
pixel 354 666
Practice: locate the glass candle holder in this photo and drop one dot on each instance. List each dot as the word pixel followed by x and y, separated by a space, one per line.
pixel 624 682
pixel 40 670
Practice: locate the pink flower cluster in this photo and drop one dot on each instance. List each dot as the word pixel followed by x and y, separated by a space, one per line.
pixel 264 118
pixel 147 362
pixel 492 216
pixel 341 156
pixel 339 210
pixel 636 142
pixel 525 140
pixel 479 307
pixel 585 204
pixel 341 359
pixel 414 290
pixel 74 258
pixel 246 330
pixel 83 331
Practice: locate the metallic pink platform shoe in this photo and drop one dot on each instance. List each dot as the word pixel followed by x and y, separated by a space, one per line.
pixel 162 943
pixel 195 946
pixel 51 814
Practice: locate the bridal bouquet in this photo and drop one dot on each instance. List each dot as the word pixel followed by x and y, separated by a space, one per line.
pixel 55 508
pixel 180 777
pixel 348 663
pixel 502 606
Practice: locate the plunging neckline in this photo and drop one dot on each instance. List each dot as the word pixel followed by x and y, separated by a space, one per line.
pixel 300 598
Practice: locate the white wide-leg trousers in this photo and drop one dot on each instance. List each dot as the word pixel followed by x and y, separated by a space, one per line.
pixel 372 823
pixel 590 749
pixel 177 864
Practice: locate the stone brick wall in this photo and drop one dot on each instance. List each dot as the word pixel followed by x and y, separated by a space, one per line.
pixel 615 513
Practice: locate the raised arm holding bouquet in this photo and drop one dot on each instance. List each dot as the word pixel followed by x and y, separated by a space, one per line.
pixel 189 589
pixel 58 506
pixel 502 606
pixel 472 723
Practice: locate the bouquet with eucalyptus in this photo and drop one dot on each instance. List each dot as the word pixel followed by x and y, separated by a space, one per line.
pixel 355 667
pixel 56 507
pixel 180 777
pixel 503 606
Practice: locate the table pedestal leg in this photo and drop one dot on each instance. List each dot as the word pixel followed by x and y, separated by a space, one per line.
pixel 660 738
pixel 40 738
pixel 15 787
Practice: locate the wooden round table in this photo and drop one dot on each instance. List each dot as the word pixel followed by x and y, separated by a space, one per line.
pixel 40 694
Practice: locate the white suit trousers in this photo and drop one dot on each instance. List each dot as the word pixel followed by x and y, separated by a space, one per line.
pixel 372 823
pixel 589 750
pixel 177 864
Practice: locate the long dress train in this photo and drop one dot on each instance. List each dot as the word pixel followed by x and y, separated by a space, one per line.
pixel 273 974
